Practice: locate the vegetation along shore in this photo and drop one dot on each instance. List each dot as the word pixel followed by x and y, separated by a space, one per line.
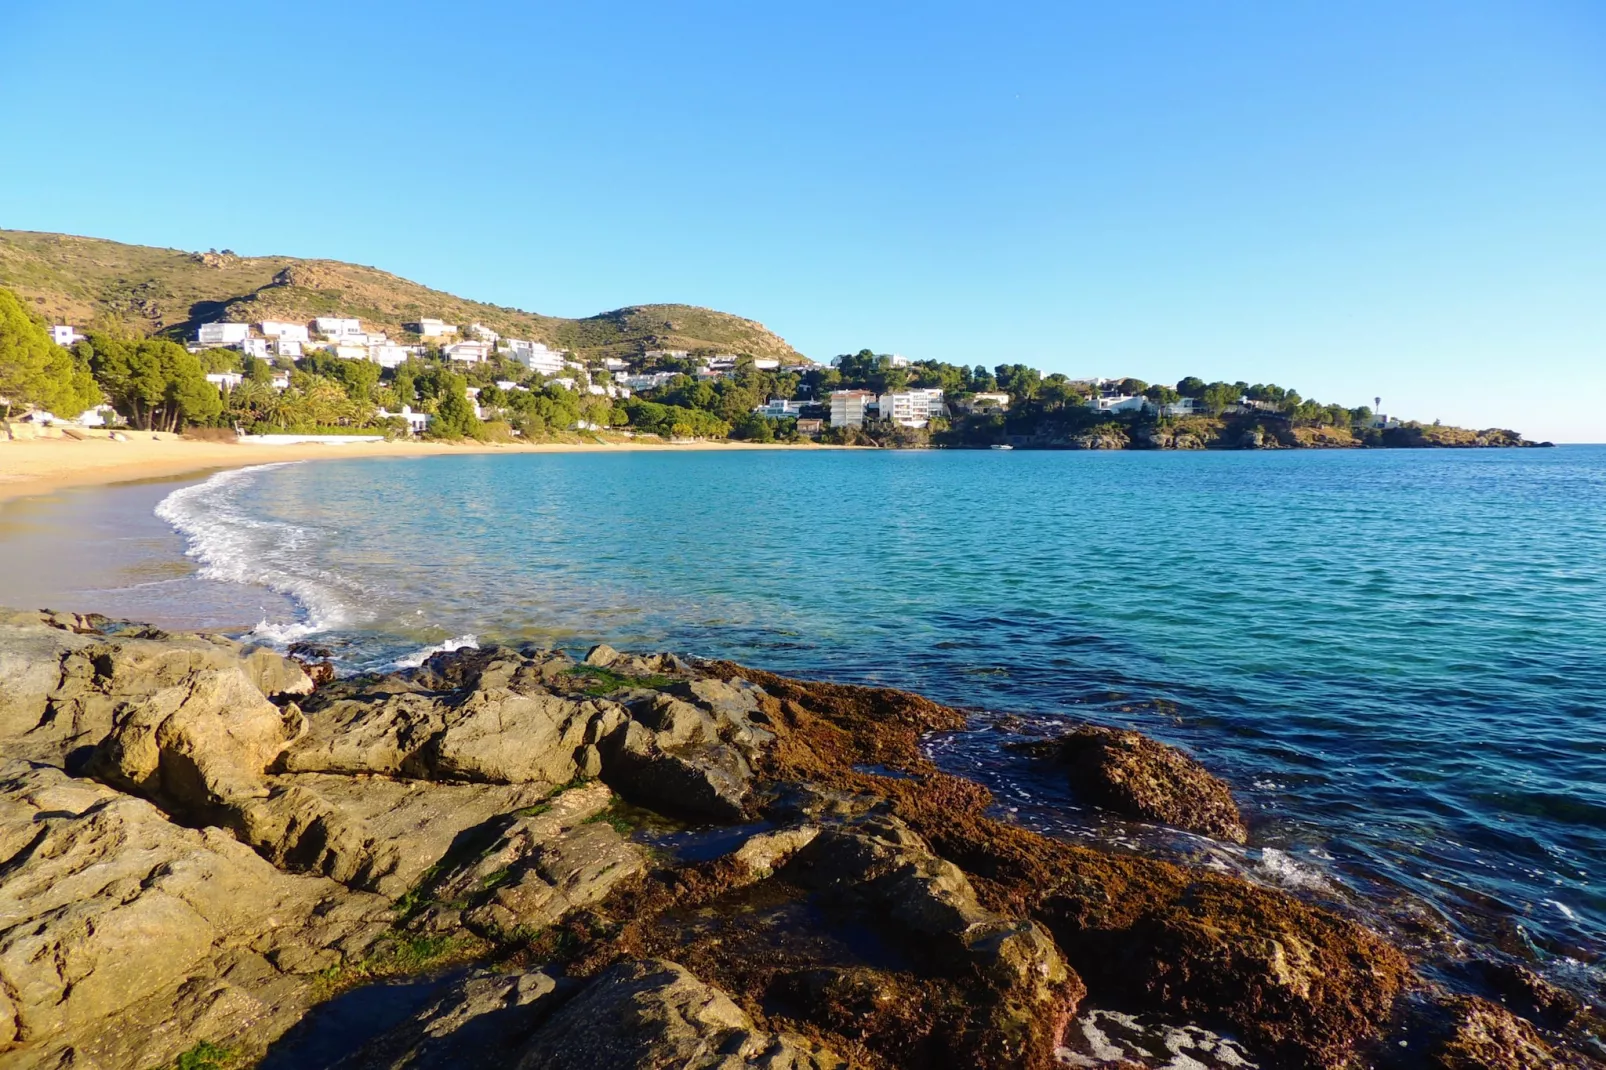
pixel 107 335
pixel 623 860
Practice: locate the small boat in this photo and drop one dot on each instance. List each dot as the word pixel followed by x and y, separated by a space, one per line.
pixel 1000 447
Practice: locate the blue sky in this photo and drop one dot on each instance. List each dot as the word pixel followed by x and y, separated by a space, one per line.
pixel 1359 199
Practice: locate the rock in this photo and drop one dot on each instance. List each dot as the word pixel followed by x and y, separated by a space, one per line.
pixel 705 780
pixel 275 675
pixel 550 859
pixel 481 1023
pixel 1484 1036
pixel 655 1013
pixel 64 684
pixel 881 862
pixel 492 736
pixel 1141 778
pixel 1530 995
pixel 503 737
pixel 677 723
pixel 602 655
pixel 126 938
pixel 371 833
pixel 200 743
pixel 1101 1039
pixel 765 852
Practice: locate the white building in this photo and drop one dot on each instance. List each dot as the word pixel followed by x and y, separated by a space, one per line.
pixel 483 333
pixel 1120 403
pixel 989 399
pixel 285 332
pixel 766 364
pixel 666 354
pixel 614 364
pixel 911 408
pixel 1181 407
pixel 778 407
pixel 534 355
pixel 288 347
pixel 433 328
pixel 225 380
pixel 467 352
pixel 99 416
pixel 223 334
pixel 345 352
pixel 847 407
pixel 255 347
pixel 647 380
pixel 280 381
pixel 337 327
pixel 388 356
pixel 416 421
pixel 64 335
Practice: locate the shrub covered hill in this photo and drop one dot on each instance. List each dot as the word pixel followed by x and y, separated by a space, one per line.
pixel 91 282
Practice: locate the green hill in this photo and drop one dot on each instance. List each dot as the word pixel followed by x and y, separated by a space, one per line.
pixel 90 282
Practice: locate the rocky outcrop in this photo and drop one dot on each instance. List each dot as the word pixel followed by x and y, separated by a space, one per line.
pixel 121 933
pixel 658 1014
pixel 1484 1036
pixel 370 833
pixel 1141 778
pixel 253 843
pixel 547 860
pixel 481 1023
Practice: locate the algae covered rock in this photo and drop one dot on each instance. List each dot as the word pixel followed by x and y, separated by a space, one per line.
pixel 1138 777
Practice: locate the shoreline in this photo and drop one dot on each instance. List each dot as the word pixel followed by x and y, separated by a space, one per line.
pixel 32 467
pixel 777 812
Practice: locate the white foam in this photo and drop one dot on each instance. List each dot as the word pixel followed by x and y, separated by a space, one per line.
pixel 234 547
pixel 1279 867
pixel 418 657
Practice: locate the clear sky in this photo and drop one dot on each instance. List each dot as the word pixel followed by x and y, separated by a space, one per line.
pixel 1358 199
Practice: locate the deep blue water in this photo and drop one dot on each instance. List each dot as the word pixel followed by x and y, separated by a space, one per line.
pixel 1395 657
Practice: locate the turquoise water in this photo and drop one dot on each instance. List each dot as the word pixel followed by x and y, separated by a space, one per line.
pixel 1395 657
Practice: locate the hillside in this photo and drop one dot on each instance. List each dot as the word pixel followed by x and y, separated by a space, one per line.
pixel 90 282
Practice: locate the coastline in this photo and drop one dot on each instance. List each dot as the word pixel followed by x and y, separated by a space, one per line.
pixel 664 832
pixel 43 466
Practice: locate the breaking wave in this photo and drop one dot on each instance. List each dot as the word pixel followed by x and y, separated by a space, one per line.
pixel 233 546
pixel 418 657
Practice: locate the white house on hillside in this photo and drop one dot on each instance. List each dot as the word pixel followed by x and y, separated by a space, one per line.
pixel 534 355
pixel 255 347
pixel 63 335
pixel 1120 403
pixel 285 332
pixel 778 407
pixel 467 352
pixel 222 334
pixel 388 356
pixel 288 347
pixel 337 327
pixel 225 380
pixel 428 328
pixel 483 333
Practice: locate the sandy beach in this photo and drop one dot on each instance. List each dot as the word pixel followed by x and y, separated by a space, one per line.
pixel 41 466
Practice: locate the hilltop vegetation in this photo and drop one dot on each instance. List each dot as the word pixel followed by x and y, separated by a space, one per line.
pixel 123 289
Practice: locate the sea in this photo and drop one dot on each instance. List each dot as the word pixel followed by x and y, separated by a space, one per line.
pixel 1396 658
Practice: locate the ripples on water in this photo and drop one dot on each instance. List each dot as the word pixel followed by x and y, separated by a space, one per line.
pixel 1395 657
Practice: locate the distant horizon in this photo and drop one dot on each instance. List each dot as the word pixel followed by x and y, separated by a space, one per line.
pixel 1358 202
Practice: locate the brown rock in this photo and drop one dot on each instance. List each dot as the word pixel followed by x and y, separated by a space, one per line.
pixel 1141 778
pixel 1485 1036
pixel 655 1013
pixel 126 938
